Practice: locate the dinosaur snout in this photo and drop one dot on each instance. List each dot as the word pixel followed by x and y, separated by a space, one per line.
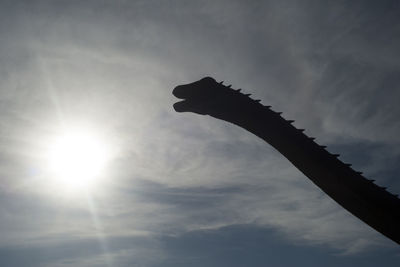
pixel 179 92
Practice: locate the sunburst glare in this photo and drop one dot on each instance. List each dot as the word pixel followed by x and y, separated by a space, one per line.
pixel 76 159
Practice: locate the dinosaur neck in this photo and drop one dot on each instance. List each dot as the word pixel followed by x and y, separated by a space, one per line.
pixel 360 196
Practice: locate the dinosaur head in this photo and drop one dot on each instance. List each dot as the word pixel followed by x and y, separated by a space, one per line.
pixel 201 96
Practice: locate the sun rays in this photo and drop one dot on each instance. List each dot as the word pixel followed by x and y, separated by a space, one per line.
pixel 76 158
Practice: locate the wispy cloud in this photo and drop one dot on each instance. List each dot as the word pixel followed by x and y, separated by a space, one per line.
pixel 114 67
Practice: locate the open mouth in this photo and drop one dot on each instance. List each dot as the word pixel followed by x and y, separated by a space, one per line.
pixel 179 92
pixel 192 100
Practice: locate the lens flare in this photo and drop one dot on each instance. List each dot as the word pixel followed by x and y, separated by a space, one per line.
pixel 76 159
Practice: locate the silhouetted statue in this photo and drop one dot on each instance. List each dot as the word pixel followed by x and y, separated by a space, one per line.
pixel 360 196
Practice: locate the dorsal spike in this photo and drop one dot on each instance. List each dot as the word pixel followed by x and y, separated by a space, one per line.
pixel 238 90
pixel 312 138
pixel 247 94
pixel 364 200
pixel 348 164
pixel 383 187
pixel 229 86
pixel 371 180
pixel 290 121
pixel 301 130
pixel 322 146
pixel 221 82
pixel 360 173
pixel 279 113
pixel 336 155
pixel 257 100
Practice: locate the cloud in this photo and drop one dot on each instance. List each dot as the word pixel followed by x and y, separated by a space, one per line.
pixel 113 66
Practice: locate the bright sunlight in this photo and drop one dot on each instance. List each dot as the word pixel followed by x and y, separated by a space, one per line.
pixel 76 159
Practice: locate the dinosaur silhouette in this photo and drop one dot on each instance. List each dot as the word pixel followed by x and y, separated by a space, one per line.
pixel 360 196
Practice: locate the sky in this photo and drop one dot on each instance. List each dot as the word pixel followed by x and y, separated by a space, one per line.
pixel 184 189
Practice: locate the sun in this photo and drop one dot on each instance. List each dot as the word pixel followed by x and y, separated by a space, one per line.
pixel 76 159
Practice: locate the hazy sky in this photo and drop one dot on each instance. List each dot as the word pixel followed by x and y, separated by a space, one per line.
pixel 183 189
